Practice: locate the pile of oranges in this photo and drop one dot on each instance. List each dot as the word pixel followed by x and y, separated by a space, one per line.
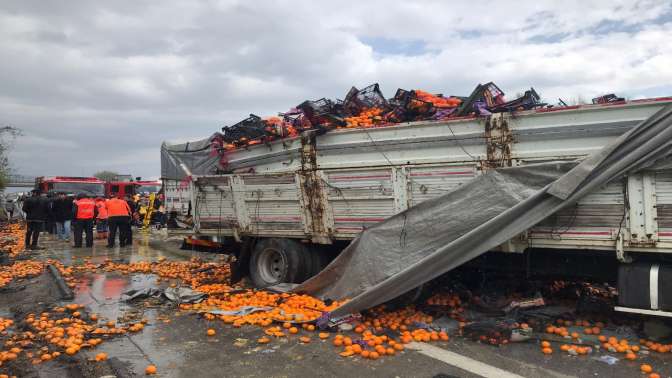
pixel 367 118
pixel 438 101
pixel 375 342
pixel 20 269
pixel 12 235
pixel 281 307
pixel 52 334
pixel 194 272
pixel 629 350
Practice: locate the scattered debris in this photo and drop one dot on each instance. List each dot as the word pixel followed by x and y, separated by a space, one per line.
pixel 173 294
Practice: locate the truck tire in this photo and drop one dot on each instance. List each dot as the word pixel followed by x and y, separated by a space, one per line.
pixel 276 260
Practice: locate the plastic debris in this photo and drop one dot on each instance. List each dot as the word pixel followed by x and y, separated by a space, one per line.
pixel 607 359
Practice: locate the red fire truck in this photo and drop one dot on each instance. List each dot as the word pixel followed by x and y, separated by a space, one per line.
pixel 129 188
pixel 71 185
pixel 146 187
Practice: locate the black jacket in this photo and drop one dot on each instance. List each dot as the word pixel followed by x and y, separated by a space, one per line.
pixel 61 209
pixel 36 208
pixel 133 206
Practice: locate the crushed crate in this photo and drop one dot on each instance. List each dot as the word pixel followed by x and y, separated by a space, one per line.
pixel 242 133
pixel 358 100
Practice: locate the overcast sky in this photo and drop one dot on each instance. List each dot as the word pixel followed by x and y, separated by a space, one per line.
pixel 100 84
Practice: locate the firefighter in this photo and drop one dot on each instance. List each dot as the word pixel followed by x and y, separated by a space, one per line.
pixel 118 219
pixel 84 212
pixel 133 207
pixel 101 219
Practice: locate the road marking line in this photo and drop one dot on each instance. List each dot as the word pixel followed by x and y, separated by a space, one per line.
pixel 462 362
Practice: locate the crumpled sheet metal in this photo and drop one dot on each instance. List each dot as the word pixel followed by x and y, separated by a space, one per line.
pixel 438 235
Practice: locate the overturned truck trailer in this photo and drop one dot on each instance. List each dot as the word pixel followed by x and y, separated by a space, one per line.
pixel 294 198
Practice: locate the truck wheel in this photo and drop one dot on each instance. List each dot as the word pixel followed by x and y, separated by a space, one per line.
pixel 276 260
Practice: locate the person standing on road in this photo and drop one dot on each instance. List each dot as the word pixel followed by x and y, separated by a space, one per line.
pixel 101 219
pixel 36 210
pixel 50 225
pixel 118 219
pixel 8 205
pixel 84 212
pixel 133 208
pixel 62 213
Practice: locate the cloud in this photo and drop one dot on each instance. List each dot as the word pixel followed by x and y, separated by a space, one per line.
pixel 99 85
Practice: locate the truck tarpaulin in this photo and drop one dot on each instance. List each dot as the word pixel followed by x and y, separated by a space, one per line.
pixel 179 161
pixel 438 235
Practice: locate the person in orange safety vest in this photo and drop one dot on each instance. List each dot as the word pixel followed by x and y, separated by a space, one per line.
pixel 101 219
pixel 84 213
pixel 118 217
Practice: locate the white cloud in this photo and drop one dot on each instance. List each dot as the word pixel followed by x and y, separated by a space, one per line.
pixel 117 78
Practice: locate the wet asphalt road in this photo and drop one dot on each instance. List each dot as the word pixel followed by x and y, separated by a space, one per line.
pixel 176 342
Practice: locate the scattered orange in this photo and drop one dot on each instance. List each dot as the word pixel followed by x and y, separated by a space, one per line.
pixel 150 370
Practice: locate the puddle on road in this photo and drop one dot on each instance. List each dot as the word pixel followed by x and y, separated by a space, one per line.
pixel 140 251
pixel 101 293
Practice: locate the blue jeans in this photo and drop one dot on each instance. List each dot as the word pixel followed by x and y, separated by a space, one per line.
pixel 63 230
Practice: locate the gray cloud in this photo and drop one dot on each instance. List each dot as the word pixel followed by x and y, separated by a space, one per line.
pixel 99 85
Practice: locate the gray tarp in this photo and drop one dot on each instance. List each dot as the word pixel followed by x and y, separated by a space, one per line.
pixel 173 294
pixel 438 235
pixel 179 161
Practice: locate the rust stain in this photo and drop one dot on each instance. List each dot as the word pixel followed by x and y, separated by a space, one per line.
pixel 312 188
pixel 499 140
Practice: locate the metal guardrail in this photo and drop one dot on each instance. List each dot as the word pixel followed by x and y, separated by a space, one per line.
pixel 20 180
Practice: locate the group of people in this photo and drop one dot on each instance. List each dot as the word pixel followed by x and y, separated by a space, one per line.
pixel 111 217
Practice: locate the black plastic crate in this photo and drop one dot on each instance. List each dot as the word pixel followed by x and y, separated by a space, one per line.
pixel 358 100
pixel 322 113
pixel 405 106
pixel 527 101
pixel 250 128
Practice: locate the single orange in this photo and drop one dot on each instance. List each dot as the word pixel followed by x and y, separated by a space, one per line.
pixel 150 370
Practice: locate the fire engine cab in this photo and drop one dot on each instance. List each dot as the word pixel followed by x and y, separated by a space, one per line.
pixel 71 185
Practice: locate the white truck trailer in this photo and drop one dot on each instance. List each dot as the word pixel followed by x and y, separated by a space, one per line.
pixel 296 197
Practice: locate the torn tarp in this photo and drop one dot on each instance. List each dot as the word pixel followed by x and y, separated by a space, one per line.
pixel 179 161
pixel 173 294
pixel 242 311
pixel 438 235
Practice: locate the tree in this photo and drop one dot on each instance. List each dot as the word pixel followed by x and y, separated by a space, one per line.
pixel 7 136
pixel 106 175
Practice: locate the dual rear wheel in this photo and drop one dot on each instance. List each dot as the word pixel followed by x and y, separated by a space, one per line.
pixel 279 260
